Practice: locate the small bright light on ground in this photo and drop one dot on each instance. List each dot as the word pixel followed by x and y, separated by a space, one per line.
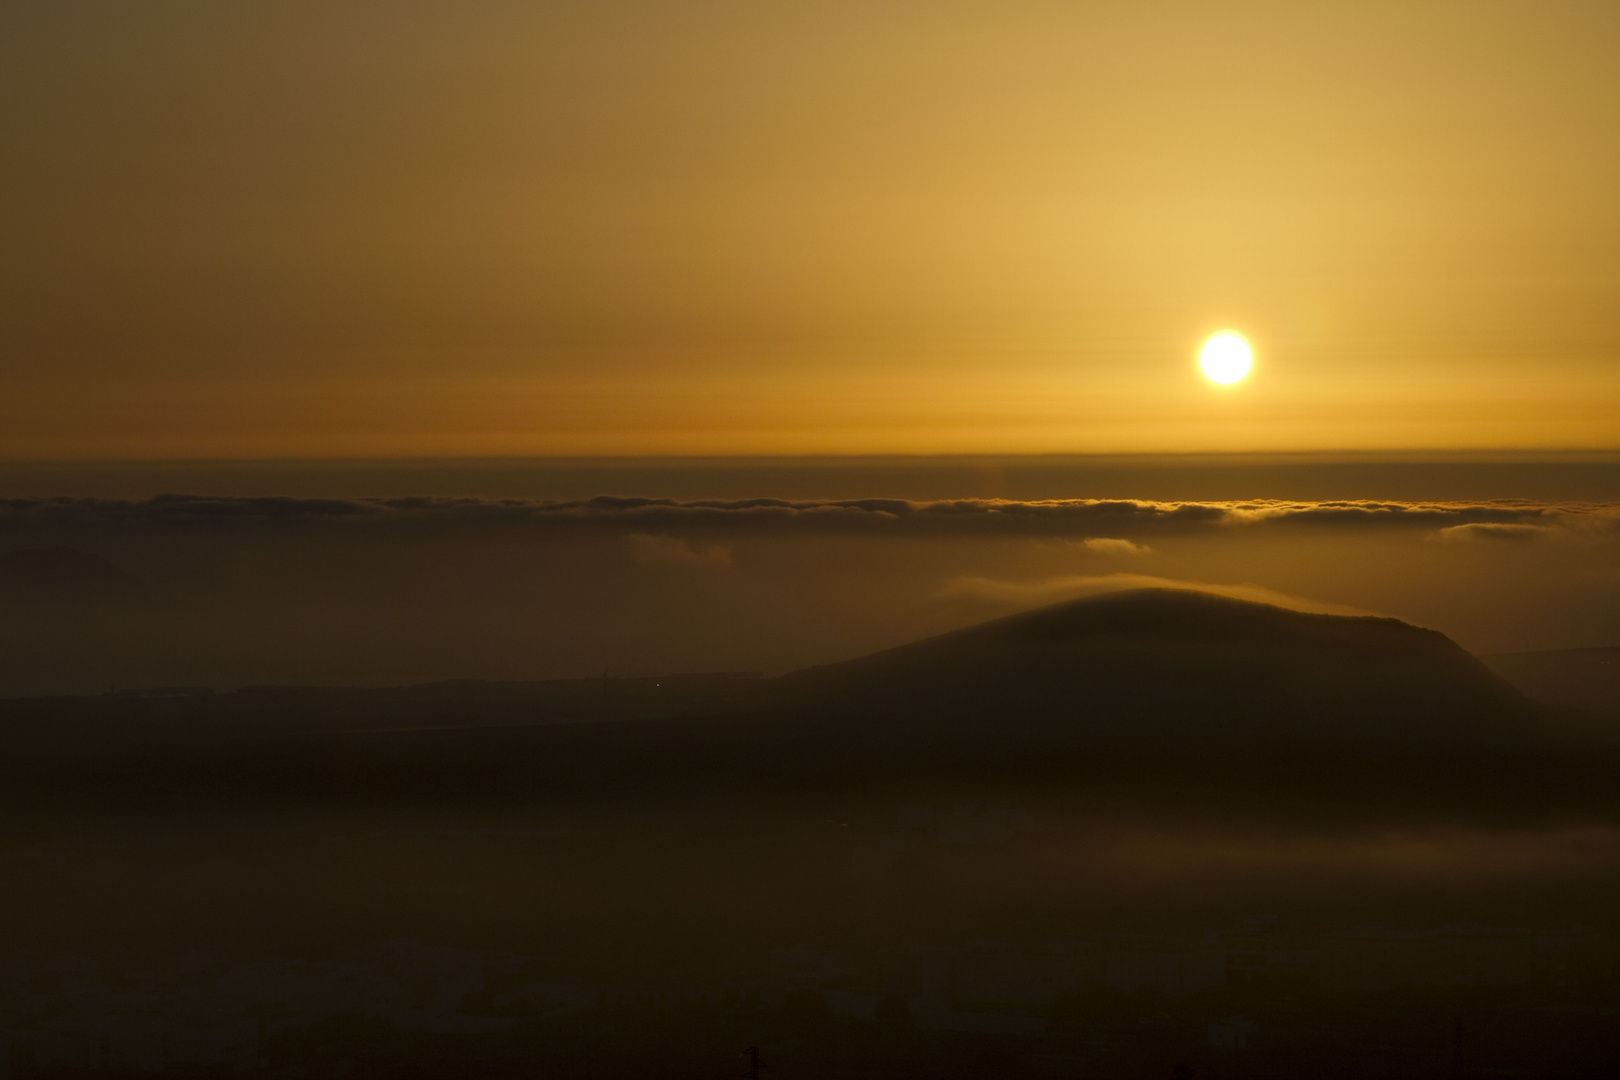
pixel 1225 357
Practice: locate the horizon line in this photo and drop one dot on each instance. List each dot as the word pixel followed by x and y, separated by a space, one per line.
pixel 1426 456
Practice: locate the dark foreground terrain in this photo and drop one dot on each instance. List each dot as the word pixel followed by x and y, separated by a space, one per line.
pixel 1111 838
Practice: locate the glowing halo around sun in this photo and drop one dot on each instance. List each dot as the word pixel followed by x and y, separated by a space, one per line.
pixel 1225 357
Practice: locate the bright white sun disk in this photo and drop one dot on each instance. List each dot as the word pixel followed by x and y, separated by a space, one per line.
pixel 1225 357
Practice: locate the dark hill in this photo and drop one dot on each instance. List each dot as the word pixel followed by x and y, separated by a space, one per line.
pixel 1177 670
pixel 1156 698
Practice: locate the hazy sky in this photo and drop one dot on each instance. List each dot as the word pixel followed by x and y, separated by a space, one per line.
pixel 335 227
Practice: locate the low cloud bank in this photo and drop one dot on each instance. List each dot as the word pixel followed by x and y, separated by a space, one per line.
pixel 650 550
pixel 965 517
pixel 1482 531
pixel 986 594
pixel 1106 545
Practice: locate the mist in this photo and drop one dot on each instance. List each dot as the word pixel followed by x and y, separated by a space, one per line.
pixel 227 591
pixel 495 767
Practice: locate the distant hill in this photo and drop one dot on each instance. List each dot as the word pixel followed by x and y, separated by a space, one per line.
pixel 1580 678
pixel 1159 698
pixel 62 574
pixel 1177 670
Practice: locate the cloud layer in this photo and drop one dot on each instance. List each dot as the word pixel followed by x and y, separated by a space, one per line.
pixel 386 591
pixel 962 517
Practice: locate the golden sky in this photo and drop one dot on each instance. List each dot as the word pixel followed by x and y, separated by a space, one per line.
pixel 334 228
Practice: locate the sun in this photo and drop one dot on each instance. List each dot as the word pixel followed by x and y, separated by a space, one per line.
pixel 1225 357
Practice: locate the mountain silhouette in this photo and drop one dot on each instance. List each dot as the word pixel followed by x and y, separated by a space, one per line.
pixel 1156 698
pixel 1176 670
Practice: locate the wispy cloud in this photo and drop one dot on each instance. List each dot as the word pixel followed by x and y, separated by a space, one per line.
pixel 988 593
pixel 1105 545
pixel 1491 531
pixel 654 550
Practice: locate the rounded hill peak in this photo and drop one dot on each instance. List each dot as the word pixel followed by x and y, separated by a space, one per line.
pixel 1177 667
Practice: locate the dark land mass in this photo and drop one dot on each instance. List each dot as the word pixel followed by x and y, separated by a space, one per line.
pixel 1109 838
pixel 1176 699
pixel 1172 672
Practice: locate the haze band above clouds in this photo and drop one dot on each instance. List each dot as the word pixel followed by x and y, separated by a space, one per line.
pixel 960 517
